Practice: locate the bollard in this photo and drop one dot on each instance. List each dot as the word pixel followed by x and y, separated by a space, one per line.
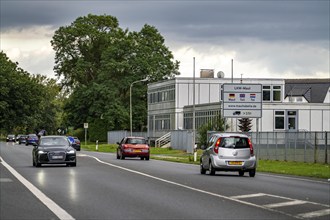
pixel 195 153
pixel 97 145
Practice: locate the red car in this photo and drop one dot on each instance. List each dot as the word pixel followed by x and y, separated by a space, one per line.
pixel 133 147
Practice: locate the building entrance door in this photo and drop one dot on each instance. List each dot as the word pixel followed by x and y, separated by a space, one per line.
pixel 292 120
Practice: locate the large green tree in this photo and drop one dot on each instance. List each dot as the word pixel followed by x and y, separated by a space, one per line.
pixel 98 61
pixel 27 102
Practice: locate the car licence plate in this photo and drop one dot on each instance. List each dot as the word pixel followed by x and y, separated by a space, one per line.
pixel 235 162
pixel 136 150
pixel 57 157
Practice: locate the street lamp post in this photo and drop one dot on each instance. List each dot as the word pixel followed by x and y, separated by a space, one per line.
pixel 130 101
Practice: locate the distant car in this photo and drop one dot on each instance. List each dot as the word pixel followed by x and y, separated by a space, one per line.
pixel 228 152
pixel 10 138
pixel 22 139
pixel 133 147
pixel 53 150
pixel 17 137
pixel 76 144
pixel 31 138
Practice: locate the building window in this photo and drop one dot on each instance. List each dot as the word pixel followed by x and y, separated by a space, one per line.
pixel 163 94
pixel 271 93
pixel 279 120
pixel 162 122
pixel 277 93
pixel 266 93
pixel 201 118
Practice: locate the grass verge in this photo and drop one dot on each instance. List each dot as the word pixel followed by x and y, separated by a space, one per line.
pixel 280 167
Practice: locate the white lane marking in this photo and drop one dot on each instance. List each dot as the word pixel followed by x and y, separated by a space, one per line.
pixel 315 214
pixel 189 187
pixel 5 180
pixel 281 204
pixel 294 178
pixel 248 196
pixel 56 209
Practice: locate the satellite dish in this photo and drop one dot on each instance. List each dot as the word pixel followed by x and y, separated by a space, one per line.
pixel 221 74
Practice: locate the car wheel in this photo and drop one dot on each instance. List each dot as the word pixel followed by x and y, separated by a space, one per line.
pixel 252 173
pixel 211 169
pixel 118 157
pixel 71 164
pixel 33 163
pixel 38 164
pixel 147 158
pixel 203 171
pixel 241 173
pixel 142 158
pixel 122 157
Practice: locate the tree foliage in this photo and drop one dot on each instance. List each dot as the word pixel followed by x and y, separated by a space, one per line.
pixel 27 102
pixel 244 124
pixel 216 124
pixel 98 61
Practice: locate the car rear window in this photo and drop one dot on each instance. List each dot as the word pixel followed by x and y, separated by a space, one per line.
pixel 135 141
pixel 235 142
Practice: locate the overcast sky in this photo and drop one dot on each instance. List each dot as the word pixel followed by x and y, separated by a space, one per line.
pixel 265 39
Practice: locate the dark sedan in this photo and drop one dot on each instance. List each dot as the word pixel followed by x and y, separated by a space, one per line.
pixel 54 150
pixel 133 147
pixel 76 144
pixel 22 139
pixel 31 139
pixel 10 138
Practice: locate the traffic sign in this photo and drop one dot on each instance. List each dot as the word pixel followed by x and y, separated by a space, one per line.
pixel 242 100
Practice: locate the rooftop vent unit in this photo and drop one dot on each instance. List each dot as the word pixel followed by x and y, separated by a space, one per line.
pixel 207 73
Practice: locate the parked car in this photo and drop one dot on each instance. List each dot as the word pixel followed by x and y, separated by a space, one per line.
pixel 53 150
pixel 22 139
pixel 31 138
pixel 76 144
pixel 10 138
pixel 133 147
pixel 228 152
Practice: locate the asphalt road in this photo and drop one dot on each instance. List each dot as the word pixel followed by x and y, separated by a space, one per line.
pixel 102 187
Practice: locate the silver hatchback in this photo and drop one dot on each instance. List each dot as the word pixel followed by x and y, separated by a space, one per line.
pixel 228 152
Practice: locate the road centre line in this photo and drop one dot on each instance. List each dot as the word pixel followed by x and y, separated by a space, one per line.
pixel 189 187
pixel 56 209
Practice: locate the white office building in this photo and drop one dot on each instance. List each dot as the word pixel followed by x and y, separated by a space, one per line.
pixel 287 104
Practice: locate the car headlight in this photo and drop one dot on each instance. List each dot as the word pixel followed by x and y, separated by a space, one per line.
pixel 41 152
pixel 70 152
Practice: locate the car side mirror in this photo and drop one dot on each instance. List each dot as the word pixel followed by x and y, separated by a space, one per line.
pixel 118 143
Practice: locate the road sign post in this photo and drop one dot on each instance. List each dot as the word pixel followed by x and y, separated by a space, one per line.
pixel 86 127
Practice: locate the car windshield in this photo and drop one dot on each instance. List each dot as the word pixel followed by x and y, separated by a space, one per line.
pixel 235 142
pixel 135 141
pixel 49 141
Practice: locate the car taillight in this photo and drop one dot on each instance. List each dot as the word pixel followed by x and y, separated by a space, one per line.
pixel 216 146
pixel 251 147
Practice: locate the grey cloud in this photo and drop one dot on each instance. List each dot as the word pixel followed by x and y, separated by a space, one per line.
pixel 190 20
